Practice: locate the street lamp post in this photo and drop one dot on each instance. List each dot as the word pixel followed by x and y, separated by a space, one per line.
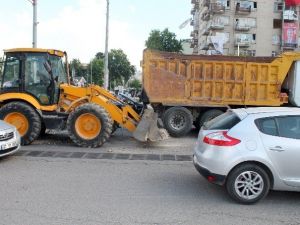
pixel 106 72
pixel 35 23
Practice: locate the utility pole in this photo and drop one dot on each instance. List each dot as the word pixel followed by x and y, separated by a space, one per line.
pixel 35 23
pixel 106 72
pixel 282 27
pixel 92 72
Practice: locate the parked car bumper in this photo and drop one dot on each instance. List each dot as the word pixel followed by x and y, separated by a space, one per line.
pixel 211 177
pixel 10 146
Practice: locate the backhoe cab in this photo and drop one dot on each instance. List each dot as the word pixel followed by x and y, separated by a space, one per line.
pixel 36 94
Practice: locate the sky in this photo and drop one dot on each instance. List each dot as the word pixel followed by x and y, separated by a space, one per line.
pixel 78 26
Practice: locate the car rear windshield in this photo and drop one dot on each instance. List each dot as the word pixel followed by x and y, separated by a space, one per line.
pixel 223 122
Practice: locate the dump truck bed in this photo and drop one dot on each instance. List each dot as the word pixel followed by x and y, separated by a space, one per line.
pixel 199 80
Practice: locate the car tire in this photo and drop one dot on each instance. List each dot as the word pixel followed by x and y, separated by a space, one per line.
pixel 248 183
pixel 89 125
pixel 178 121
pixel 207 116
pixel 25 118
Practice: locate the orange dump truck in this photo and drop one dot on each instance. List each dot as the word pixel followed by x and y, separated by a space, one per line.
pixel 192 89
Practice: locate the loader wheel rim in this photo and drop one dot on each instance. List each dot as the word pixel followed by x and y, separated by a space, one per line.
pixel 88 126
pixel 19 121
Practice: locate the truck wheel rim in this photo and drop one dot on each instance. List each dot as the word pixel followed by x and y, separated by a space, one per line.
pixel 19 121
pixel 88 126
pixel 177 121
pixel 249 185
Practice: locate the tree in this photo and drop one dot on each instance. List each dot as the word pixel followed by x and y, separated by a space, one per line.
pixel 163 41
pixel 1 64
pixel 135 83
pixel 78 68
pixel 120 69
pixel 97 65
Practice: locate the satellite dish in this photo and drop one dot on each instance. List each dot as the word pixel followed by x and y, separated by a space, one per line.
pixel 185 23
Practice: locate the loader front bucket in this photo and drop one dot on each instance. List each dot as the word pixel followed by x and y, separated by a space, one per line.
pixel 147 128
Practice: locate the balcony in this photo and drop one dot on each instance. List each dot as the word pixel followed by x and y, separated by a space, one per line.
pixel 289 45
pixel 216 26
pixel 212 52
pixel 205 31
pixel 205 16
pixel 242 27
pixel 205 45
pixel 194 43
pixel 206 3
pixel 217 8
pixel 242 9
pixel 242 43
pixel 194 34
pixel 290 15
pixel 196 3
pixel 195 50
pixel 192 23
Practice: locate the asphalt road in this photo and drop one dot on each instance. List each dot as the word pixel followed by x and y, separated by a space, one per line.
pixel 67 190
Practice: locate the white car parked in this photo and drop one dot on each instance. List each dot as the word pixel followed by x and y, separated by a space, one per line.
pixel 251 151
pixel 9 139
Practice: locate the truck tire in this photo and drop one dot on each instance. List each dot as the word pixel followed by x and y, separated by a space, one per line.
pixel 89 125
pixel 178 121
pixel 207 116
pixel 24 118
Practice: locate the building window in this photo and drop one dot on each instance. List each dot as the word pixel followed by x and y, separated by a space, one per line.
pixel 277 23
pixel 255 5
pixel 276 39
pixel 251 52
pixel 243 52
pixel 278 7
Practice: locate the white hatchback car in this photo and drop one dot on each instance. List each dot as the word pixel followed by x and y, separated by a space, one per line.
pixel 251 151
pixel 9 139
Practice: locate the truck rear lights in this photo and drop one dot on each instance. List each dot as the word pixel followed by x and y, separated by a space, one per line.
pixel 220 138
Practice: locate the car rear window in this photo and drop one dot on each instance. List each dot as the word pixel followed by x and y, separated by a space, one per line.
pixel 223 122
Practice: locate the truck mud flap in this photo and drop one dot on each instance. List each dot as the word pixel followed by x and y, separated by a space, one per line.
pixel 147 129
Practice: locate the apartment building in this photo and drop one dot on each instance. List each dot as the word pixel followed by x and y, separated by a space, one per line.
pixel 240 27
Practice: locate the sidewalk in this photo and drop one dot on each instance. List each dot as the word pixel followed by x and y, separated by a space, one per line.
pixel 121 142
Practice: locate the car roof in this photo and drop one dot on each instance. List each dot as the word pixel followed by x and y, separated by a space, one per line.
pixel 243 112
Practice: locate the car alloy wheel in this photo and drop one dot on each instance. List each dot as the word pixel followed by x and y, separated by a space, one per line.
pixel 249 185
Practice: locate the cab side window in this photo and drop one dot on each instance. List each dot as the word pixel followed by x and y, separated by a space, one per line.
pixel 11 74
pixel 37 79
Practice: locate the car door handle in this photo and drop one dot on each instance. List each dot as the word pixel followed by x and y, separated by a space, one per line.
pixel 276 149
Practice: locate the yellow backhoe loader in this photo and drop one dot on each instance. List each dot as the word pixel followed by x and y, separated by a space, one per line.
pixel 37 94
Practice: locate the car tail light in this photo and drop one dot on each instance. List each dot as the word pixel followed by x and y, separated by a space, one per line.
pixel 220 139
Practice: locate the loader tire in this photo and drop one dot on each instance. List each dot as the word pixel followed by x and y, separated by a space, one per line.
pixel 24 118
pixel 178 121
pixel 89 125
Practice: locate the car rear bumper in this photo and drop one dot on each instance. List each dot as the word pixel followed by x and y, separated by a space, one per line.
pixel 211 177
